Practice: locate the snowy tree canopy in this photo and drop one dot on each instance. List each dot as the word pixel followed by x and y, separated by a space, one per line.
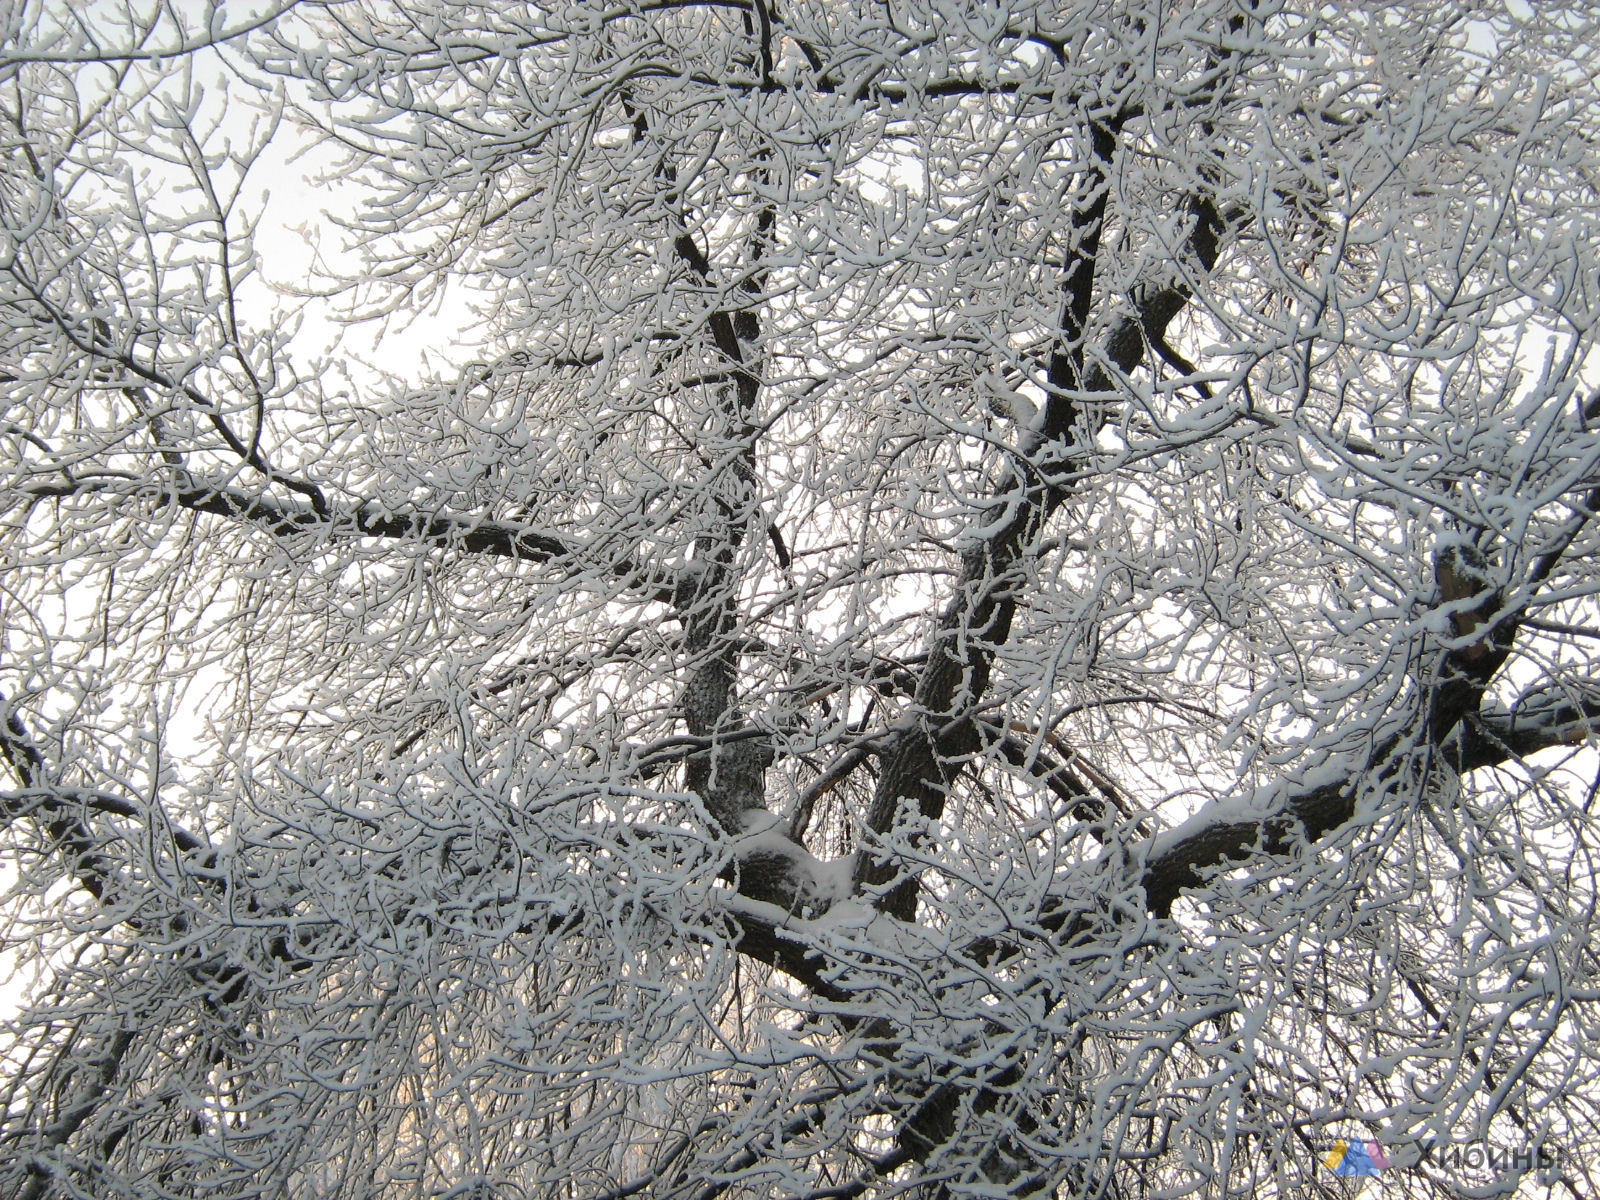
pixel 991 599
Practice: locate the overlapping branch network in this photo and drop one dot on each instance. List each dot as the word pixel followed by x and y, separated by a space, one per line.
pixel 1044 528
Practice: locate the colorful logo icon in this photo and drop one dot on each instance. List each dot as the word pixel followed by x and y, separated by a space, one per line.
pixel 1356 1158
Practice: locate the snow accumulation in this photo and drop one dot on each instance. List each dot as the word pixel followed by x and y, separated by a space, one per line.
pixel 1254 805
pixel 820 885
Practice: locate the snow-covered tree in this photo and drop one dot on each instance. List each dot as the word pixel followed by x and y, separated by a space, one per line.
pixel 997 598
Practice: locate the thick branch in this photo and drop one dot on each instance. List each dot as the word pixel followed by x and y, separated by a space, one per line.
pixel 470 535
pixel 1539 720
pixel 977 621
pixel 730 777
pixel 1184 858
pixel 765 936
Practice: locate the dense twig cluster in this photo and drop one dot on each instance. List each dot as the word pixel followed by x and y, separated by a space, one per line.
pixel 1003 605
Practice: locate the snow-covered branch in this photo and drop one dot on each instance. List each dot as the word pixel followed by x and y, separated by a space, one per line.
pixel 939 622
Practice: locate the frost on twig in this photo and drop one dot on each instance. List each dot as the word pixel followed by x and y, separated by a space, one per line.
pixel 797 600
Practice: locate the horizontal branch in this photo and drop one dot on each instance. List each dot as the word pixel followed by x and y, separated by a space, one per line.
pixel 1228 832
pixel 470 535
pixel 768 935
pixel 1184 858
pixel 1539 720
